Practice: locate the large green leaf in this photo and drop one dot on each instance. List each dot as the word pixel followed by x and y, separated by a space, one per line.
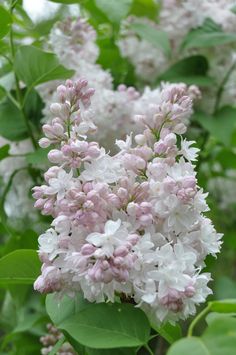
pixel 113 9
pixel 157 38
pixel 19 267
pixel 33 66
pixel 12 125
pixel 191 70
pixel 224 306
pixel 220 126
pixel 5 21
pixel 107 326
pixel 63 308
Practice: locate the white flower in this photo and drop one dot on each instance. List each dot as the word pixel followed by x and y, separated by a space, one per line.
pixel 190 153
pixel 60 184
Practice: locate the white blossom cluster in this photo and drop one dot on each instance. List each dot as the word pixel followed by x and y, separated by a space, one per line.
pixel 177 18
pixel 129 224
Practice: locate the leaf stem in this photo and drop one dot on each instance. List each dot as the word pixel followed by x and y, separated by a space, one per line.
pixel 149 349
pixel 202 314
pixel 18 91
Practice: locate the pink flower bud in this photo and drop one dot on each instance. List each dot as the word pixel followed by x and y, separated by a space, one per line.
pixel 55 156
pixel 44 142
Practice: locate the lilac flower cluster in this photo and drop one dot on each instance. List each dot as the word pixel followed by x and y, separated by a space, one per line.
pixel 131 223
pixel 50 339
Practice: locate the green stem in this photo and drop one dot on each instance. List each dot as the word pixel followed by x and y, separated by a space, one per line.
pixel 18 91
pixel 202 314
pixel 149 349
pixel 222 86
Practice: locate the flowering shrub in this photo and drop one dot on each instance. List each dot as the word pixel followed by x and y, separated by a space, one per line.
pixel 116 117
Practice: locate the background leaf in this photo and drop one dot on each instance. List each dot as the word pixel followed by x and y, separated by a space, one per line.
pixel 5 21
pixel 113 9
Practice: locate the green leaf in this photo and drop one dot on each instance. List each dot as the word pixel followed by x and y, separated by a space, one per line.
pixel 224 306
pixel 120 351
pixel 5 21
pixel 208 35
pixel 66 1
pixel 193 346
pixel 38 157
pixel 157 38
pixel 113 9
pixel 224 286
pixel 144 8
pixel 12 124
pixel 191 70
pixel 19 267
pixel 4 151
pixel 107 326
pixel 63 308
pixel 33 66
pixel 169 332
pixel 221 125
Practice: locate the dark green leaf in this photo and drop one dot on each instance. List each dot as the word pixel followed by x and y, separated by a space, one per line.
pixel 191 70
pixel 113 9
pixel 5 21
pixel 19 267
pixel 33 66
pixel 4 151
pixel 157 38
pixel 12 124
pixel 107 326
pixel 221 125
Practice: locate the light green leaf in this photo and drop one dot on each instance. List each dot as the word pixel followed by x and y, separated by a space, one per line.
pixel 157 38
pixel 33 66
pixel 208 35
pixel 193 346
pixel 191 70
pixel 63 308
pixel 144 8
pixel 5 21
pixel 113 9
pixel 66 1
pixel 107 326
pixel 19 267
pixel 169 332
pixel 38 157
pixel 4 151
pixel 224 306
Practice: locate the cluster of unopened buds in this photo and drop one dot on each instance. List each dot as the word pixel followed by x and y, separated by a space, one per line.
pixel 131 223
pixel 50 339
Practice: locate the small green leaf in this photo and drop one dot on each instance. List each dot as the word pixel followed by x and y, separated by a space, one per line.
pixel 38 157
pixel 157 38
pixel 5 21
pixel 113 9
pixel 191 70
pixel 19 267
pixel 107 326
pixel 33 66
pixel 4 151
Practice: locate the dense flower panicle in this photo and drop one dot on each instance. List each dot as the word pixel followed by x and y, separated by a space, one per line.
pixel 130 223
